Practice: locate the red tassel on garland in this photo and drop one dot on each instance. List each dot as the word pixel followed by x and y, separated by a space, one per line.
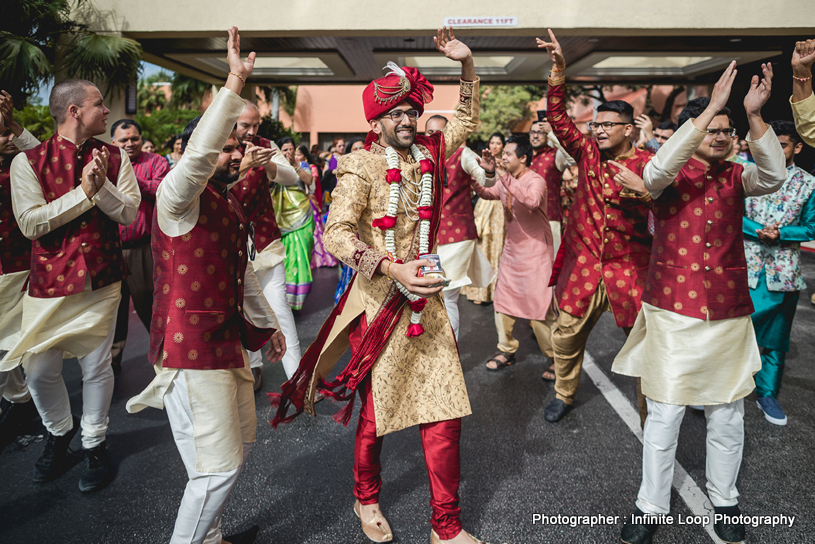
pixel 426 166
pixel 384 223
pixel 425 212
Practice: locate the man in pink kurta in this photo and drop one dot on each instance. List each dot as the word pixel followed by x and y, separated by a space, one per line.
pixel 523 288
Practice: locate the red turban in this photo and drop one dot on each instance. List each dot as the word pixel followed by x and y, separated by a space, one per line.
pixel 401 84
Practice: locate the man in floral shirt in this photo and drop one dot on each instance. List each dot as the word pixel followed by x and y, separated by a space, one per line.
pixel 774 227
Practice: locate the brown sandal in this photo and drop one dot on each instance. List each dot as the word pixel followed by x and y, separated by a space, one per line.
pixel 509 359
pixel 551 372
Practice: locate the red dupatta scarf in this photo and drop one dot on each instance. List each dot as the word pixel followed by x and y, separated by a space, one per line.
pixel 377 333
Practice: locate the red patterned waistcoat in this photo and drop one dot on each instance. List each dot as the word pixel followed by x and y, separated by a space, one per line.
pixel 457 220
pixel 255 197
pixel 88 244
pixel 198 299
pixel 15 249
pixel 607 235
pixel 698 268
pixel 543 162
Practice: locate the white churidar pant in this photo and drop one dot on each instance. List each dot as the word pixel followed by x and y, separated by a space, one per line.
pixel 44 374
pixel 199 515
pixel 273 282
pixel 13 387
pixel 725 445
pixel 451 303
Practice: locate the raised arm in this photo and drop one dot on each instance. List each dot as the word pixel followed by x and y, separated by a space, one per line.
pixel 177 196
pixel 471 164
pixel 672 156
pixel 802 99
pixel 465 119
pixel 573 141
pixel 770 170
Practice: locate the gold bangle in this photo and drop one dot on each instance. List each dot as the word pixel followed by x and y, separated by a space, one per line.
pixel 802 79
pixel 554 69
pixel 388 270
pixel 237 76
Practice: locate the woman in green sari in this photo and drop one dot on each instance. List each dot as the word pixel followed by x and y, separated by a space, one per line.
pixel 296 222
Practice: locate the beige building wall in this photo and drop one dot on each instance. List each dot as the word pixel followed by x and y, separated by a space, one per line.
pixel 350 17
pixel 337 109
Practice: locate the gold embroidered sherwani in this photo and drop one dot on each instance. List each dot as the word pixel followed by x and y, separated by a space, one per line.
pixel 415 380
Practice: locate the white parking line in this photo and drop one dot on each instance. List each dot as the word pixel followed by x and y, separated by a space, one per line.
pixel 693 496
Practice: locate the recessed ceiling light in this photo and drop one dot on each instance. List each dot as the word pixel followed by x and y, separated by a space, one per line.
pixel 735 40
pixel 594 40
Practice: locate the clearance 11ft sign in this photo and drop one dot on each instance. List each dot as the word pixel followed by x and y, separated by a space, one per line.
pixel 481 21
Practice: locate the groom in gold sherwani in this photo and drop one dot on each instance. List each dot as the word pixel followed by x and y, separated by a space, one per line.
pixel 405 363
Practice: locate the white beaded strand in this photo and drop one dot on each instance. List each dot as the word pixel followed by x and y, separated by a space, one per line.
pixel 425 200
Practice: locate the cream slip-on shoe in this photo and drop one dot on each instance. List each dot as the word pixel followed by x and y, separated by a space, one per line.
pixel 434 538
pixel 377 529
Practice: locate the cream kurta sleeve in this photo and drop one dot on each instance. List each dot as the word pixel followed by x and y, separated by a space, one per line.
pixel 177 197
pixel 285 173
pixel 34 214
pixel 803 113
pixel 25 141
pixel 38 217
pixel 663 168
pixel 562 159
pixel 770 170
pixel 465 119
pixel 255 306
pixel 469 161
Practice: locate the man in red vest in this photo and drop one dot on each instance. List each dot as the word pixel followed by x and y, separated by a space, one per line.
pixel 16 407
pixel 606 246
pixel 264 164
pixel 70 194
pixel 697 295
pixel 463 262
pixel 209 311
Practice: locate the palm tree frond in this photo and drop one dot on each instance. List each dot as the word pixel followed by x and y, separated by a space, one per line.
pixel 23 65
pixel 110 59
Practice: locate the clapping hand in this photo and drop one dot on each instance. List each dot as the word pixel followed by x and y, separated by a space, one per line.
pixel 554 50
pixel 769 234
pixel 646 126
pixel 7 115
pixel 255 155
pixel 95 172
pixel 759 91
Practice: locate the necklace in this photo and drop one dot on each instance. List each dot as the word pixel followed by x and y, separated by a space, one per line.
pixel 415 202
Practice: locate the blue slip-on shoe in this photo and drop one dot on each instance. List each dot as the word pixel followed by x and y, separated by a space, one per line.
pixel 772 410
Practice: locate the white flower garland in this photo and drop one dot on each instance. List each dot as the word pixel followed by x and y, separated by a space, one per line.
pixel 425 200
